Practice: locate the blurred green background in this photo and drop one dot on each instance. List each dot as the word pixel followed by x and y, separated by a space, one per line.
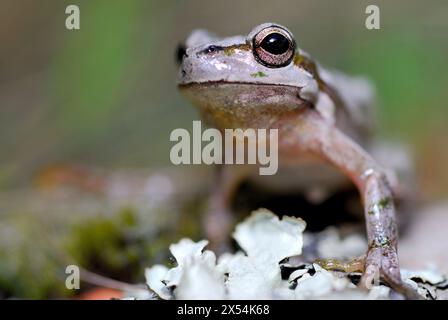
pixel 105 96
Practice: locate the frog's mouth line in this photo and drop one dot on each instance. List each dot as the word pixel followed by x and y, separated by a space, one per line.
pixel 244 104
pixel 244 94
pixel 223 82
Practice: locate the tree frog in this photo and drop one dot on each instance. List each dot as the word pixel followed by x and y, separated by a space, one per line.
pixel 324 120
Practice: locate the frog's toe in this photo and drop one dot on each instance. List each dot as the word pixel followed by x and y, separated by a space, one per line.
pixel 383 263
pixel 355 265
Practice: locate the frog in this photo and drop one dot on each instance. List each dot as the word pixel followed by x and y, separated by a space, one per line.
pixel 325 122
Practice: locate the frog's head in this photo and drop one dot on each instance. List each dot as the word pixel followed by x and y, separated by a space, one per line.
pixel 244 81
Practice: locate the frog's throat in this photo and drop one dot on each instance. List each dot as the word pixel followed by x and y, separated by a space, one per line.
pixel 243 105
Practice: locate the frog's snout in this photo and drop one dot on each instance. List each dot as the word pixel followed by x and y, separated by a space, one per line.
pixel 181 53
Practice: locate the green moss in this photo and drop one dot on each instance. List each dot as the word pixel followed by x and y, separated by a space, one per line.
pixel 29 268
pixel 128 217
pixel 117 245
pixel 102 244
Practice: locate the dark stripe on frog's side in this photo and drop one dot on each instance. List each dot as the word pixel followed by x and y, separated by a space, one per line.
pixel 229 50
pixel 241 46
pixel 310 66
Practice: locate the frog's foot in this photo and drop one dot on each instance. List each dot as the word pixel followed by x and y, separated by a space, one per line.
pixel 383 262
pixel 377 262
pixel 355 265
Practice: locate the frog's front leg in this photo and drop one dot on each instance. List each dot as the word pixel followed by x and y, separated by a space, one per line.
pixel 309 133
pixel 218 219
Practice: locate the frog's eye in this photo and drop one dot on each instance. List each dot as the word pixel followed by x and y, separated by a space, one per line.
pixel 274 47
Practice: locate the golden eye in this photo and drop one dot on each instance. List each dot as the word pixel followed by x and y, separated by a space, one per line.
pixel 274 47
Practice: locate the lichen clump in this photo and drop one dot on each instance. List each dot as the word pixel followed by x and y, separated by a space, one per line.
pixel 267 268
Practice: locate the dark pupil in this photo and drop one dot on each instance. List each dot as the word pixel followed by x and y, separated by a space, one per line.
pixel 275 43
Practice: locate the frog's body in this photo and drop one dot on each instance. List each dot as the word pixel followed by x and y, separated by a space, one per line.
pixel 323 118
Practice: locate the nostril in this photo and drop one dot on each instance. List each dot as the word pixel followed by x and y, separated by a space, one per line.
pixel 181 52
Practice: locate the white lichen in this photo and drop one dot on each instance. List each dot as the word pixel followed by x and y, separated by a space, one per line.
pixel 256 273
